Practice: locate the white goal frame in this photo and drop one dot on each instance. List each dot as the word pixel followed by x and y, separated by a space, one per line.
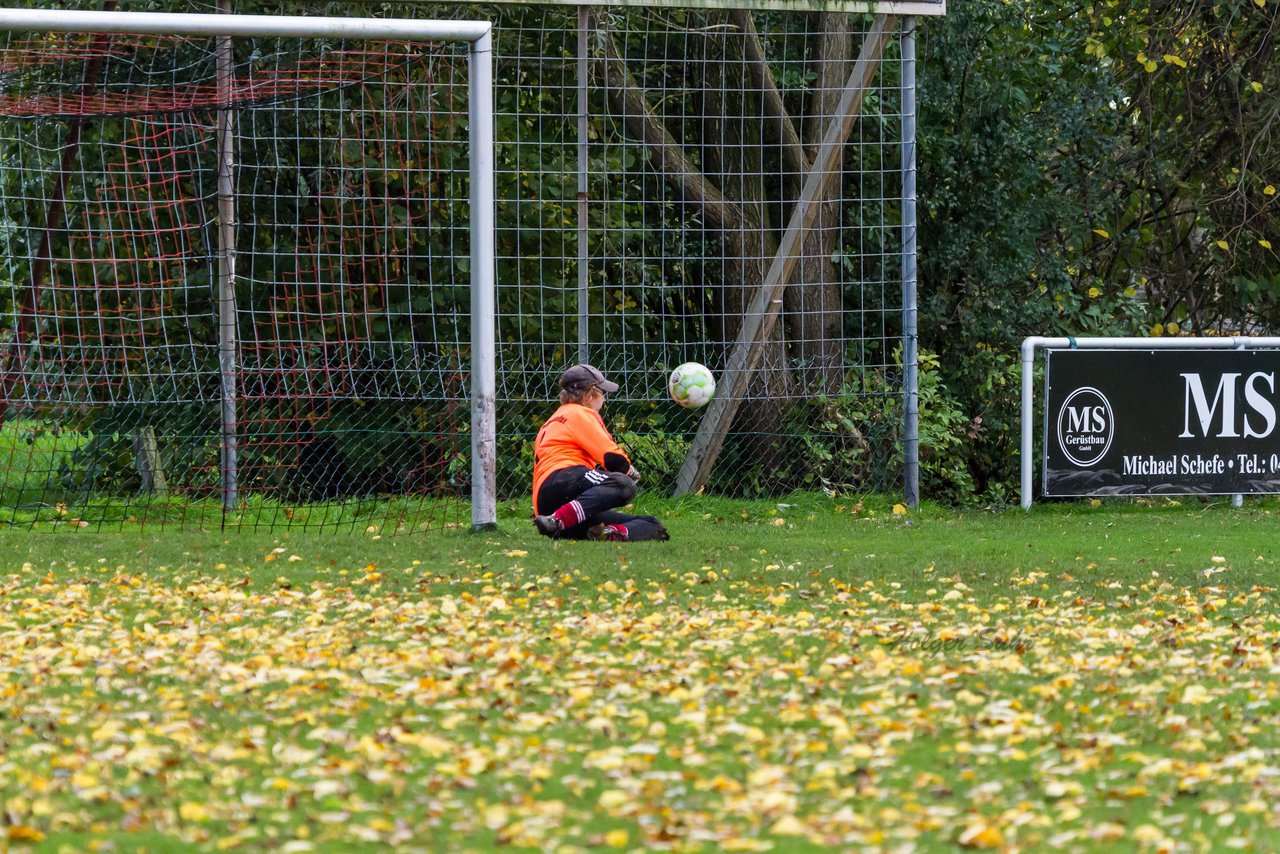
pixel 479 37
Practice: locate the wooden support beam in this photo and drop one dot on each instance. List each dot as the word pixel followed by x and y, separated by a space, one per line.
pixel 758 322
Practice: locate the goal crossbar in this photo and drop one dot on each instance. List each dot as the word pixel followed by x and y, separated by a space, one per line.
pixel 245 26
pixel 479 37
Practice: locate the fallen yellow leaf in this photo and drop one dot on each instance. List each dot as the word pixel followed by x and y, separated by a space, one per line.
pixel 23 833
pixel 981 835
pixel 611 799
pixel 788 825
pixel 193 812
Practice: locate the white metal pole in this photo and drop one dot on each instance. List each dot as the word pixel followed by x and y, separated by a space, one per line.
pixel 236 26
pixel 910 333
pixel 228 360
pixel 1028 421
pixel 484 487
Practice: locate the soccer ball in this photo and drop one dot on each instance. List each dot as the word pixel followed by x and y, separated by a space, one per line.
pixel 692 385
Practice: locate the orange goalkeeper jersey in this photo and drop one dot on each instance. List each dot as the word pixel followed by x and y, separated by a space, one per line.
pixel 574 436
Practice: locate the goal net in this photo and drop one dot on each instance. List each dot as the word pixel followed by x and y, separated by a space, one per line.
pixel 246 270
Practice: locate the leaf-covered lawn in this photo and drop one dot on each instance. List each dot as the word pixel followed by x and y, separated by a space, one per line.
pixel 725 693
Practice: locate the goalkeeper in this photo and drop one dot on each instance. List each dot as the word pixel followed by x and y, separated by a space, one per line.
pixel 580 474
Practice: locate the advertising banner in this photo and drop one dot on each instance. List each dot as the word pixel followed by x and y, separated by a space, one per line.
pixel 1161 422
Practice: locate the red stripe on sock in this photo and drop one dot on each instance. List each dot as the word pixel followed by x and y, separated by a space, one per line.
pixel 568 514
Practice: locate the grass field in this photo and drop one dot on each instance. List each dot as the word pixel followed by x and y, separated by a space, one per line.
pixel 787 676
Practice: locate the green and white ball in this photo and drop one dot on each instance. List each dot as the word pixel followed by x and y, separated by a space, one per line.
pixel 692 385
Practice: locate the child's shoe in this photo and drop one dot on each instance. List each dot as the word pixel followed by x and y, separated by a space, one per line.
pixel 548 526
pixel 609 533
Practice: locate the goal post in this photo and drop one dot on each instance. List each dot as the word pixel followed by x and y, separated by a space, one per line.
pixel 349 349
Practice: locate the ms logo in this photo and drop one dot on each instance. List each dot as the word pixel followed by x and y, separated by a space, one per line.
pixel 1085 426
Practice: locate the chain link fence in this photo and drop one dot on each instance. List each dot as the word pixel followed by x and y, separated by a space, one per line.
pixel 654 160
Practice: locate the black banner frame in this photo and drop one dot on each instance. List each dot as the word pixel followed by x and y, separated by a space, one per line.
pixel 1141 422
pixel 1028 459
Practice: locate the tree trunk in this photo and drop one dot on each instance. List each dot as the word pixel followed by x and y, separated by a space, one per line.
pixel 732 157
pixel 814 303
pixel 743 136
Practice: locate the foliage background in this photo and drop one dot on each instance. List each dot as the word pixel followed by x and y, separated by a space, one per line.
pixel 1085 169
pixel 1090 169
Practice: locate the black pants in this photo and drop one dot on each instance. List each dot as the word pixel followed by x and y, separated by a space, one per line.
pixel 597 492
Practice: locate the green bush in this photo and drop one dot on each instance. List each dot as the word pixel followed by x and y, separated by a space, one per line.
pixel 852 442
